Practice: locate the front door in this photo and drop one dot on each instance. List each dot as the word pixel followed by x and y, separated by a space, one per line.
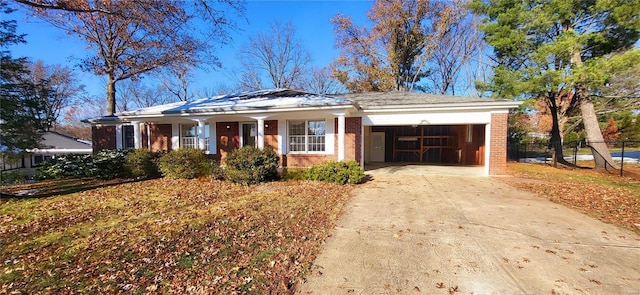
pixel 377 147
pixel 248 134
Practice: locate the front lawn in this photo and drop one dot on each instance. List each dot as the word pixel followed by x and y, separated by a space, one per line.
pixel 610 198
pixel 166 236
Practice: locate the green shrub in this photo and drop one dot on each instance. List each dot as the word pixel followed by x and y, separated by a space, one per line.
pixel 250 165
pixel 295 174
pixel 142 163
pixel 108 164
pixel 185 163
pixel 12 177
pixel 337 172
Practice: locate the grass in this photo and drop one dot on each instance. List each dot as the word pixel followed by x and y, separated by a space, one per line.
pixel 608 197
pixel 164 236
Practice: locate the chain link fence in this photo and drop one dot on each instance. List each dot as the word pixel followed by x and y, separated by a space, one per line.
pixel 623 153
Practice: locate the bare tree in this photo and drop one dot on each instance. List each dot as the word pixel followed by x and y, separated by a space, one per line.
pixel 176 80
pixel 320 80
pixel 273 59
pixel 131 38
pixel 53 88
pixel 458 46
pixel 135 94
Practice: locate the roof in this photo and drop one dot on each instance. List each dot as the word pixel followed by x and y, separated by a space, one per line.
pixel 54 140
pixel 280 100
pixel 262 100
pixel 399 99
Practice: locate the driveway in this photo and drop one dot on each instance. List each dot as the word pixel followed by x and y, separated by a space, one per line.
pixel 435 234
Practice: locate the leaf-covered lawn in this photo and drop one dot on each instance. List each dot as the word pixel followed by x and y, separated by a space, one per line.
pixel 610 198
pixel 167 236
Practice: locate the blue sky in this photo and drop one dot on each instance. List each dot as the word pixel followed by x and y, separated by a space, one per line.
pixel 310 18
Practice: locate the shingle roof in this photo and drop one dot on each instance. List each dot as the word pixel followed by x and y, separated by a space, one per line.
pixel 372 100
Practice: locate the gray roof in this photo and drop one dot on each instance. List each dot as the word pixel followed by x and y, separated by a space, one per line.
pixel 56 140
pixel 398 99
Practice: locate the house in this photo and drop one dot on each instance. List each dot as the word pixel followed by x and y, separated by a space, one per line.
pixel 307 129
pixel 53 144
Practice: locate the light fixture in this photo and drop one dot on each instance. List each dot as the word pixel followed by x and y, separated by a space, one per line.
pixel 228 127
pixel 266 125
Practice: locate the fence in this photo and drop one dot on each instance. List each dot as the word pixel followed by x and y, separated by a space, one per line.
pixel 623 152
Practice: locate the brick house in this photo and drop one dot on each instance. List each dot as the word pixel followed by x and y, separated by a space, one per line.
pixel 307 129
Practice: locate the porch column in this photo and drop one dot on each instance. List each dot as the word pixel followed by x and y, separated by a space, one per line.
pixel 118 137
pixel 341 137
pixel 213 138
pixel 260 133
pixel 201 143
pixel 137 138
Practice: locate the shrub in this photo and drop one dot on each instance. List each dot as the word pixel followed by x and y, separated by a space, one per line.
pixel 249 165
pixel 103 165
pixel 295 174
pixel 12 177
pixel 184 163
pixel 337 172
pixel 108 164
pixel 142 163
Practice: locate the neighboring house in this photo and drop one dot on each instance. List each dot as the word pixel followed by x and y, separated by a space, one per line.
pixel 53 144
pixel 307 129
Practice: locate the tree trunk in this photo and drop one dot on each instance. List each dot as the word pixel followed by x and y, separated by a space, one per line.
pixel 599 149
pixel 111 95
pixel 556 137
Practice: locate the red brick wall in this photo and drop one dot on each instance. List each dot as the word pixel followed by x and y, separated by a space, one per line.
pixel 353 139
pixel 271 134
pixel 227 139
pixel 498 144
pixel 302 160
pixel 160 137
pixel 103 137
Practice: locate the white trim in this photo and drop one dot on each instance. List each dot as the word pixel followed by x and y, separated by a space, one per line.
pixel 175 136
pixel 213 137
pixel 137 135
pixel 282 137
pixel 201 125
pixel 341 131
pixel 487 148
pixel 59 151
pixel 260 133
pixel 361 146
pixel 119 137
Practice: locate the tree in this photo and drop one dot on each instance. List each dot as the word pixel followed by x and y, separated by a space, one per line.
pixel 611 132
pixel 392 54
pixel 135 94
pixel 320 80
pixel 52 89
pixel 458 46
pixel 274 59
pixel 131 38
pixel 561 51
pixel 19 130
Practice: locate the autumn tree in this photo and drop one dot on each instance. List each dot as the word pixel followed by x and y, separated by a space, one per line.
pixel 611 132
pixel 131 38
pixel 559 52
pixel 392 54
pixel 273 59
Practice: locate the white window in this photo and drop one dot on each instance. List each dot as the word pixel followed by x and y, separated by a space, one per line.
pixel 307 136
pixel 189 136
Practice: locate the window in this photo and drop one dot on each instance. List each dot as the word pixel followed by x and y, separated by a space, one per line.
pixel 38 159
pixel 189 136
pixel 128 141
pixel 307 136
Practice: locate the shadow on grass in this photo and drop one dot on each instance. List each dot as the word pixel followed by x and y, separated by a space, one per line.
pixel 50 188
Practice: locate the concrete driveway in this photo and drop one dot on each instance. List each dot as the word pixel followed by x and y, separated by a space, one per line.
pixel 435 234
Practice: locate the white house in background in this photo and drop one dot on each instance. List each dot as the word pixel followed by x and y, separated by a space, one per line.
pixel 54 144
pixel 307 129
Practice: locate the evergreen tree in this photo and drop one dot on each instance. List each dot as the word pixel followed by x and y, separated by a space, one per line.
pixel 18 127
pixel 561 51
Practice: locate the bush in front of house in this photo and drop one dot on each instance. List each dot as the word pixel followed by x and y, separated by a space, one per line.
pixel 249 165
pixel 105 164
pixel 337 172
pixel 142 163
pixel 185 163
